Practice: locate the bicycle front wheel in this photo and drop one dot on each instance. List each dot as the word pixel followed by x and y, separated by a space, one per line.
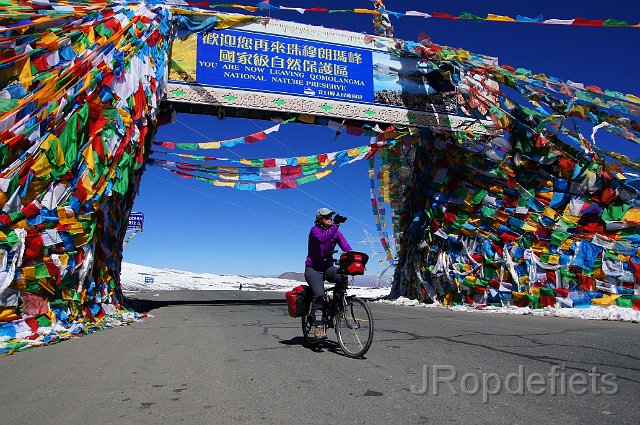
pixel 308 328
pixel 354 328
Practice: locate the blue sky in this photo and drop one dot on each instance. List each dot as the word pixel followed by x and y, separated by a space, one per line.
pixel 190 225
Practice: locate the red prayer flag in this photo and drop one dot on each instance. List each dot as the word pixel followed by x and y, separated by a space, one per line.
pixel 588 22
pixel 443 15
pixel 286 184
pixel 255 137
pixel 290 172
pixel 635 269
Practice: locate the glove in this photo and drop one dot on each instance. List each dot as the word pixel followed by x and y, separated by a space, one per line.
pixel 337 219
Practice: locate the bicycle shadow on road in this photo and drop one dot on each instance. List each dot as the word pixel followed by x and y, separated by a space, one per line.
pixel 326 345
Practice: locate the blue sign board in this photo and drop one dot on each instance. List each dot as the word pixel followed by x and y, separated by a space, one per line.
pixel 264 62
pixel 148 279
pixel 136 220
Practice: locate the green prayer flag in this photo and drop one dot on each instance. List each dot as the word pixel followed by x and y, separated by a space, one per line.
pixel 624 302
pixel 534 300
pixel 43 321
pixel 615 212
pixel 467 15
pixel 42 271
pixel 307 179
pixel 187 146
pixel 479 196
pixel 614 22
pixel 547 291
pixel 7 105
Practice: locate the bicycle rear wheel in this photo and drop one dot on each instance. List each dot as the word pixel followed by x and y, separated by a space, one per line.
pixel 354 328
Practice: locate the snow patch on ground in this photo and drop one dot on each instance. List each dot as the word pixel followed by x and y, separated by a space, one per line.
pixel 614 313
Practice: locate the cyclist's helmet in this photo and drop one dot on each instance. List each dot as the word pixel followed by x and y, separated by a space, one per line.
pixel 324 212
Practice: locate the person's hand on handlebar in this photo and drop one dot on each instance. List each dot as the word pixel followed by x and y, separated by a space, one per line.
pixel 338 219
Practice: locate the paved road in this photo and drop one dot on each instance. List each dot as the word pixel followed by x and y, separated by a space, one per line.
pixel 236 357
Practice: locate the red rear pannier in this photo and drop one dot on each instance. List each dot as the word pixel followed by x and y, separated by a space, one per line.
pixel 297 301
pixel 353 263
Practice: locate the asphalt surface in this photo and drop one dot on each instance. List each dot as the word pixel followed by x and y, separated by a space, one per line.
pixel 212 357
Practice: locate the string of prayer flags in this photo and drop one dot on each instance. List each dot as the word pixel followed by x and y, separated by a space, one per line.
pixel 228 143
pixel 380 10
pixel 265 174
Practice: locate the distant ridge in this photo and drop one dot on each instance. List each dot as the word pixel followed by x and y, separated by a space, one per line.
pixel 292 276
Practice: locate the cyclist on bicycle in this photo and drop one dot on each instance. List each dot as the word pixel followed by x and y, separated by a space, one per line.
pixel 323 237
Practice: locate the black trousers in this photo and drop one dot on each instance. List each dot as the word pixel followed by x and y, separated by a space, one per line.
pixel 315 279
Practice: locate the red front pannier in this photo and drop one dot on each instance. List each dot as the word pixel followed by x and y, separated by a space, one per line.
pixel 353 263
pixel 298 301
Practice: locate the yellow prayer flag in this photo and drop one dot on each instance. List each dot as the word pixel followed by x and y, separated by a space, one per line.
pixel 19 284
pixel 29 272
pixel 566 244
pixel 64 260
pixel 47 285
pixel 229 176
pixel 88 186
pixel 59 153
pixel 550 213
pixel 366 11
pixel 210 145
pixel 126 117
pixel 545 195
pixel 41 166
pixel 539 247
pixel 48 38
pixel 353 152
pixel 501 216
pixel 247 8
pixel 75 228
pixel 323 174
pixel 66 217
pixel 607 299
pixel 502 18
pixel 87 153
pixel 632 214
pixel 467 232
pixel 223 183
pixel 530 226
pixel 66 295
pixel 25 77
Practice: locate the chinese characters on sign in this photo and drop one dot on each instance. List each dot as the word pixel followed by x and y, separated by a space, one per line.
pixel 241 59
pixel 136 219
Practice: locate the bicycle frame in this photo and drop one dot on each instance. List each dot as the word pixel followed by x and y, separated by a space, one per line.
pixel 334 307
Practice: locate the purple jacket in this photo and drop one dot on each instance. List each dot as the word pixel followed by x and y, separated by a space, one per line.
pixel 321 244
